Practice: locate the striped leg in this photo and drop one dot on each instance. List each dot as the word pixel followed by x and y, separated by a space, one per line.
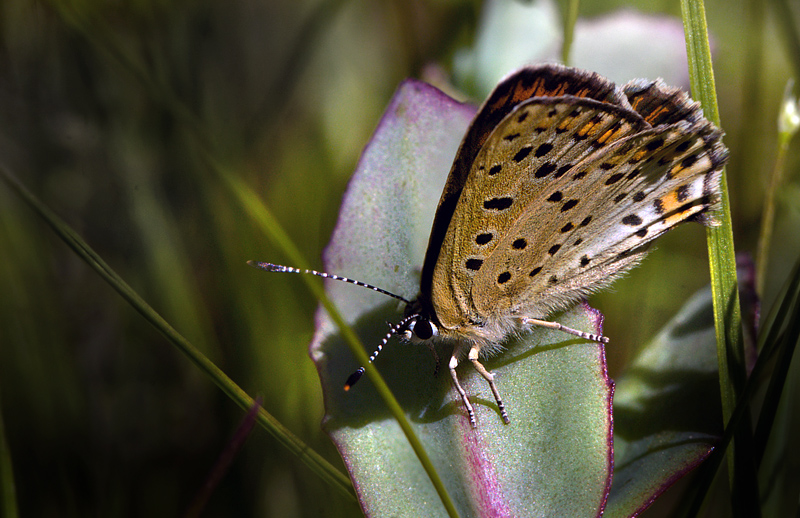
pixel 565 329
pixel 489 377
pixel 460 389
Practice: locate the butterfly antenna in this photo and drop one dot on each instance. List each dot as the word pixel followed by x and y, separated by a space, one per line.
pixel 269 267
pixel 392 331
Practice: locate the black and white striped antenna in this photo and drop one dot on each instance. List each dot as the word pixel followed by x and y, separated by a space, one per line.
pixel 270 267
pixel 392 331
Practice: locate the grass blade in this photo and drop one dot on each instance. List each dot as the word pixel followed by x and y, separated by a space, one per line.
pixel 570 18
pixel 722 260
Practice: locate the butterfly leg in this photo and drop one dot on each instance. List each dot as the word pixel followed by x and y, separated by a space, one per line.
pixel 565 329
pixel 489 377
pixel 435 357
pixel 460 389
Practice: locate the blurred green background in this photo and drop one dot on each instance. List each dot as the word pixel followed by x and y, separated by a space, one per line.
pixel 107 112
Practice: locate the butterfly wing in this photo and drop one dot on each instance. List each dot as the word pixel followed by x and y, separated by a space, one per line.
pixel 640 185
pixel 571 206
pixel 532 149
pixel 544 81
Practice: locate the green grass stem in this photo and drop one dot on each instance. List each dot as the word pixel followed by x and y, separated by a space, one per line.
pixel 722 261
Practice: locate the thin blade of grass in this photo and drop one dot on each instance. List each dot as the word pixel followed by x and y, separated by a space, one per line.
pixel 722 261
pixel 570 18
pixel 311 458
pixel 786 20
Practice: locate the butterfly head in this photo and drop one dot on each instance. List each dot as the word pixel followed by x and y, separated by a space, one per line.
pixel 419 322
pixel 422 329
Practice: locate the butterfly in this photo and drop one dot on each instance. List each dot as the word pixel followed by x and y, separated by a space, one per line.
pixel 559 186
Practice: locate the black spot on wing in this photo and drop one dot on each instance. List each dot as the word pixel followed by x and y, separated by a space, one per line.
pixel 654 144
pixel 522 154
pixel 545 169
pixel 502 203
pixel 563 170
pixel 484 238
pixel 543 150
pixel 632 219
pixel 683 193
pixel 474 264
pixel 568 205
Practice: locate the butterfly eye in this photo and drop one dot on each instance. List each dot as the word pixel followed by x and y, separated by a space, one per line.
pixel 424 329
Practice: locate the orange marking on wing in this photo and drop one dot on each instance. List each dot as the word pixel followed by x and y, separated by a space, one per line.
pixel 608 135
pixel 561 90
pixel 500 102
pixel 585 130
pixel 670 202
pixel 583 92
pixel 655 114
pixel 676 170
pixel 688 212
pixel 537 89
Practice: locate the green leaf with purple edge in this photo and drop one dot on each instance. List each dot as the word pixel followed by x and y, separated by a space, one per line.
pixel 667 414
pixel 555 456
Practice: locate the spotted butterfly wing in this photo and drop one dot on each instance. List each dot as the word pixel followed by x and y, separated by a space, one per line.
pixel 524 239
pixel 647 183
pixel 539 81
